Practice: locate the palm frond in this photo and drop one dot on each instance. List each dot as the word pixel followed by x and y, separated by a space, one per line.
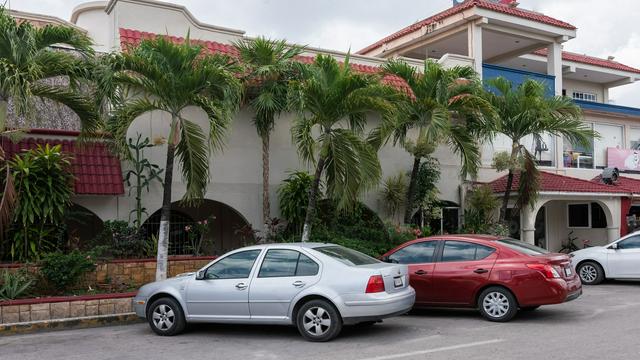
pixel 194 157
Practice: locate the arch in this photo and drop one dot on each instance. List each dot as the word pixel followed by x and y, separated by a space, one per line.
pixel 82 226
pixel 226 228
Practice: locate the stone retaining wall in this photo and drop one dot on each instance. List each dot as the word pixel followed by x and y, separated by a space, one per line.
pixel 128 272
pixel 43 309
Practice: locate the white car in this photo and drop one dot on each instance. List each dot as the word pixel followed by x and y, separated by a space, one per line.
pixel 618 260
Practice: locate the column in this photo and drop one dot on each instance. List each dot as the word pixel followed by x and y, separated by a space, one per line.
pixel 528 224
pixel 554 65
pixel 474 37
pixel 613 233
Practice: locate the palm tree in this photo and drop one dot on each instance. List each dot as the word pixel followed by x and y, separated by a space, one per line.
pixel 333 104
pixel 445 108
pixel 159 75
pixel 270 66
pixel 29 63
pixel 523 111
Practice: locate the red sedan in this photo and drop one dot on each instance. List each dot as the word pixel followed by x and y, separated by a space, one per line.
pixel 494 274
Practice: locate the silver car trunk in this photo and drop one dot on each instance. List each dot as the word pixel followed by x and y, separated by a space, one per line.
pixel 395 276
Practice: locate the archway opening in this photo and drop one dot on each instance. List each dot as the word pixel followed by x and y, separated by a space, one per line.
pixel 208 228
pixel 82 226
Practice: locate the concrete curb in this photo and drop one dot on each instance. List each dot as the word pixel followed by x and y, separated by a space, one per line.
pixel 68 323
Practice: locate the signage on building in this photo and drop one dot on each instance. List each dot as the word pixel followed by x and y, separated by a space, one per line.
pixel 623 159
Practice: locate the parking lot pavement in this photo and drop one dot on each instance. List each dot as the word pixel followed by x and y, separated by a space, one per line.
pixel 603 324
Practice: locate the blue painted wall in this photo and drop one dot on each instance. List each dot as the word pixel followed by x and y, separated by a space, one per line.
pixel 517 77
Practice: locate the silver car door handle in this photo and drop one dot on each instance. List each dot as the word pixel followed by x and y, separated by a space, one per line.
pixel 298 283
pixel 241 286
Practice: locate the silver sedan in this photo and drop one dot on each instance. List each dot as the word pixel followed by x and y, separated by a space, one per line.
pixel 316 287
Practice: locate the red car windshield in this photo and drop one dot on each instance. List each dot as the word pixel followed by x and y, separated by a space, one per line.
pixel 523 247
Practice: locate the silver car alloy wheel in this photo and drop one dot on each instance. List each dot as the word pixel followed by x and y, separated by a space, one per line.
pixel 163 317
pixel 495 304
pixel 316 321
pixel 588 273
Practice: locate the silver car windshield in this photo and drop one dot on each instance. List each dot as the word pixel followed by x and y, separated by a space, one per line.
pixel 347 256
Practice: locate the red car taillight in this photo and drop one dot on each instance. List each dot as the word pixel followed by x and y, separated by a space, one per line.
pixel 547 270
pixel 375 284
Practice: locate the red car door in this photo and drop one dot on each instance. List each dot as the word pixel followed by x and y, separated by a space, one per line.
pixel 463 268
pixel 419 256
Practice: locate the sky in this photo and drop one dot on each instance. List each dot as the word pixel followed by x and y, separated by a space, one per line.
pixel 605 27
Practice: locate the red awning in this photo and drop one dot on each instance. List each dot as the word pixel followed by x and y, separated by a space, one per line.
pixel 97 171
pixel 550 182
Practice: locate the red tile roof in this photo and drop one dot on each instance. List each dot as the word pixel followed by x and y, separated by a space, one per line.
pixel 129 38
pixel 559 183
pixel 96 170
pixel 632 184
pixel 591 60
pixel 483 4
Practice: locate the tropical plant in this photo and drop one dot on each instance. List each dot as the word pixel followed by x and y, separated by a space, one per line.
pixel 481 204
pixel 526 110
pixel 293 197
pixel 61 271
pixel 270 66
pixel 197 234
pixel 15 284
pixel 121 240
pixel 426 193
pixel 28 60
pixel 141 176
pixel 393 193
pixel 158 75
pixel 333 104
pixel 442 108
pixel 44 185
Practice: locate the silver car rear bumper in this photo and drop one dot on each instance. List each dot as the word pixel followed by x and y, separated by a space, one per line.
pixel 371 307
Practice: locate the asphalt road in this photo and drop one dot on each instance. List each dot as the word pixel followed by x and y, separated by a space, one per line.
pixel 603 324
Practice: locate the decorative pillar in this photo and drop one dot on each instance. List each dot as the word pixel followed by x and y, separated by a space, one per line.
pixel 528 224
pixel 554 65
pixel 613 233
pixel 474 37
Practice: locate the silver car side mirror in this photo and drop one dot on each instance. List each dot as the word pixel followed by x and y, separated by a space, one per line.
pixel 614 246
pixel 200 274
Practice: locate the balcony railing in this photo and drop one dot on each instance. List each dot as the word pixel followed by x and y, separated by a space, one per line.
pixel 518 76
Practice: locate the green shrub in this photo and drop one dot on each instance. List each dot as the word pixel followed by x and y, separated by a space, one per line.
pixel 120 240
pixel 15 284
pixel 293 197
pixel 61 271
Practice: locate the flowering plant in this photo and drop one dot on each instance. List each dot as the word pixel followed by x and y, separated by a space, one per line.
pixel 197 234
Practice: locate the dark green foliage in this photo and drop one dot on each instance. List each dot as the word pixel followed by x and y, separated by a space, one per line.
pixel 15 284
pixel 44 184
pixel 119 240
pixel 293 196
pixel 426 193
pixel 61 271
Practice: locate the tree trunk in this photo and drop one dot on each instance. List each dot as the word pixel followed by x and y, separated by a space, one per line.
pixel 313 195
pixel 165 215
pixel 507 191
pixel 266 206
pixel 408 208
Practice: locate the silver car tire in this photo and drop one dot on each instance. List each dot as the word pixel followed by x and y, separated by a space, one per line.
pixel 165 317
pixel 591 273
pixel 497 304
pixel 318 320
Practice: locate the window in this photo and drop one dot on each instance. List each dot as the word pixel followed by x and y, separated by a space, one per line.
pixel 234 266
pixel 577 155
pixel 610 137
pixel 634 138
pixel 523 247
pixel 464 251
pixel 579 215
pixel 543 148
pixel 586 96
pixel 630 243
pixel 598 217
pixel 282 263
pixel 418 253
pixel 346 255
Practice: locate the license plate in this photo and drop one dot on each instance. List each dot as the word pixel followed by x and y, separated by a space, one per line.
pixel 568 272
pixel 397 282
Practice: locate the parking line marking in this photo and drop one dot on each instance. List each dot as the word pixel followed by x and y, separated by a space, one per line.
pixel 429 351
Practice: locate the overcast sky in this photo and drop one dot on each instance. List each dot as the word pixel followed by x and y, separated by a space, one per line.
pixel 605 27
